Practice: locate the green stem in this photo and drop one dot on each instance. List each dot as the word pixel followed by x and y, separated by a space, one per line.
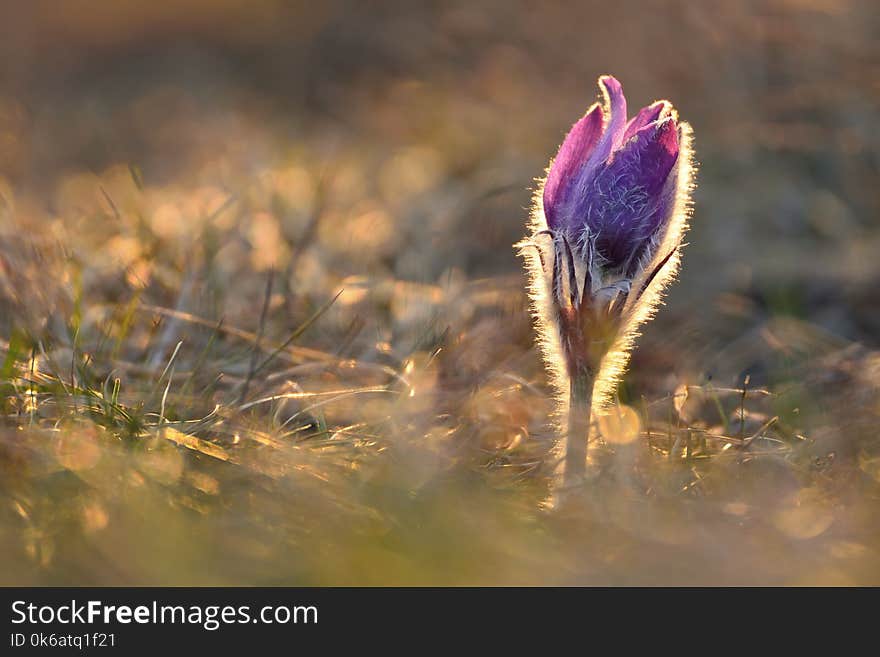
pixel 578 436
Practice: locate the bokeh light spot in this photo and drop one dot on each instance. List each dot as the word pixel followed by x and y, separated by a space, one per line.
pixel 806 515
pixel 620 425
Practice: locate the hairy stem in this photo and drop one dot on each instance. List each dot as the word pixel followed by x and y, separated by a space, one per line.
pixel 578 436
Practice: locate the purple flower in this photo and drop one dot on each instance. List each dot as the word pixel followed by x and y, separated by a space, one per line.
pixel 611 188
pixel 614 206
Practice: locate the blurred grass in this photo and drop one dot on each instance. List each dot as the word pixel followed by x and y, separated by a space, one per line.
pixel 187 397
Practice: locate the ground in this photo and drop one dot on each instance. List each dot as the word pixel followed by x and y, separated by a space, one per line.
pixel 262 322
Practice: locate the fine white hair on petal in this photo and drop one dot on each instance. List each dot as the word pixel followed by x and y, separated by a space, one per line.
pixel 644 295
pixel 642 304
pixel 536 253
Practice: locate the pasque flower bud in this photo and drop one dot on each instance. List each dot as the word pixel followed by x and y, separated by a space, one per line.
pixel 606 228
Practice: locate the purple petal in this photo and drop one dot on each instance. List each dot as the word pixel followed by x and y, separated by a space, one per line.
pixel 666 199
pixel 572 156
pixel 655 151
pixel 624 204
pixel 617 107
pixel 615 103
pixel 645 116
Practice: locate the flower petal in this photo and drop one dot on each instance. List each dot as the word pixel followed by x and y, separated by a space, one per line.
pixel 651 155
pixel 615 111
pixel 646 115
pixel 624 202
pixel 573 154
pixel 616 102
